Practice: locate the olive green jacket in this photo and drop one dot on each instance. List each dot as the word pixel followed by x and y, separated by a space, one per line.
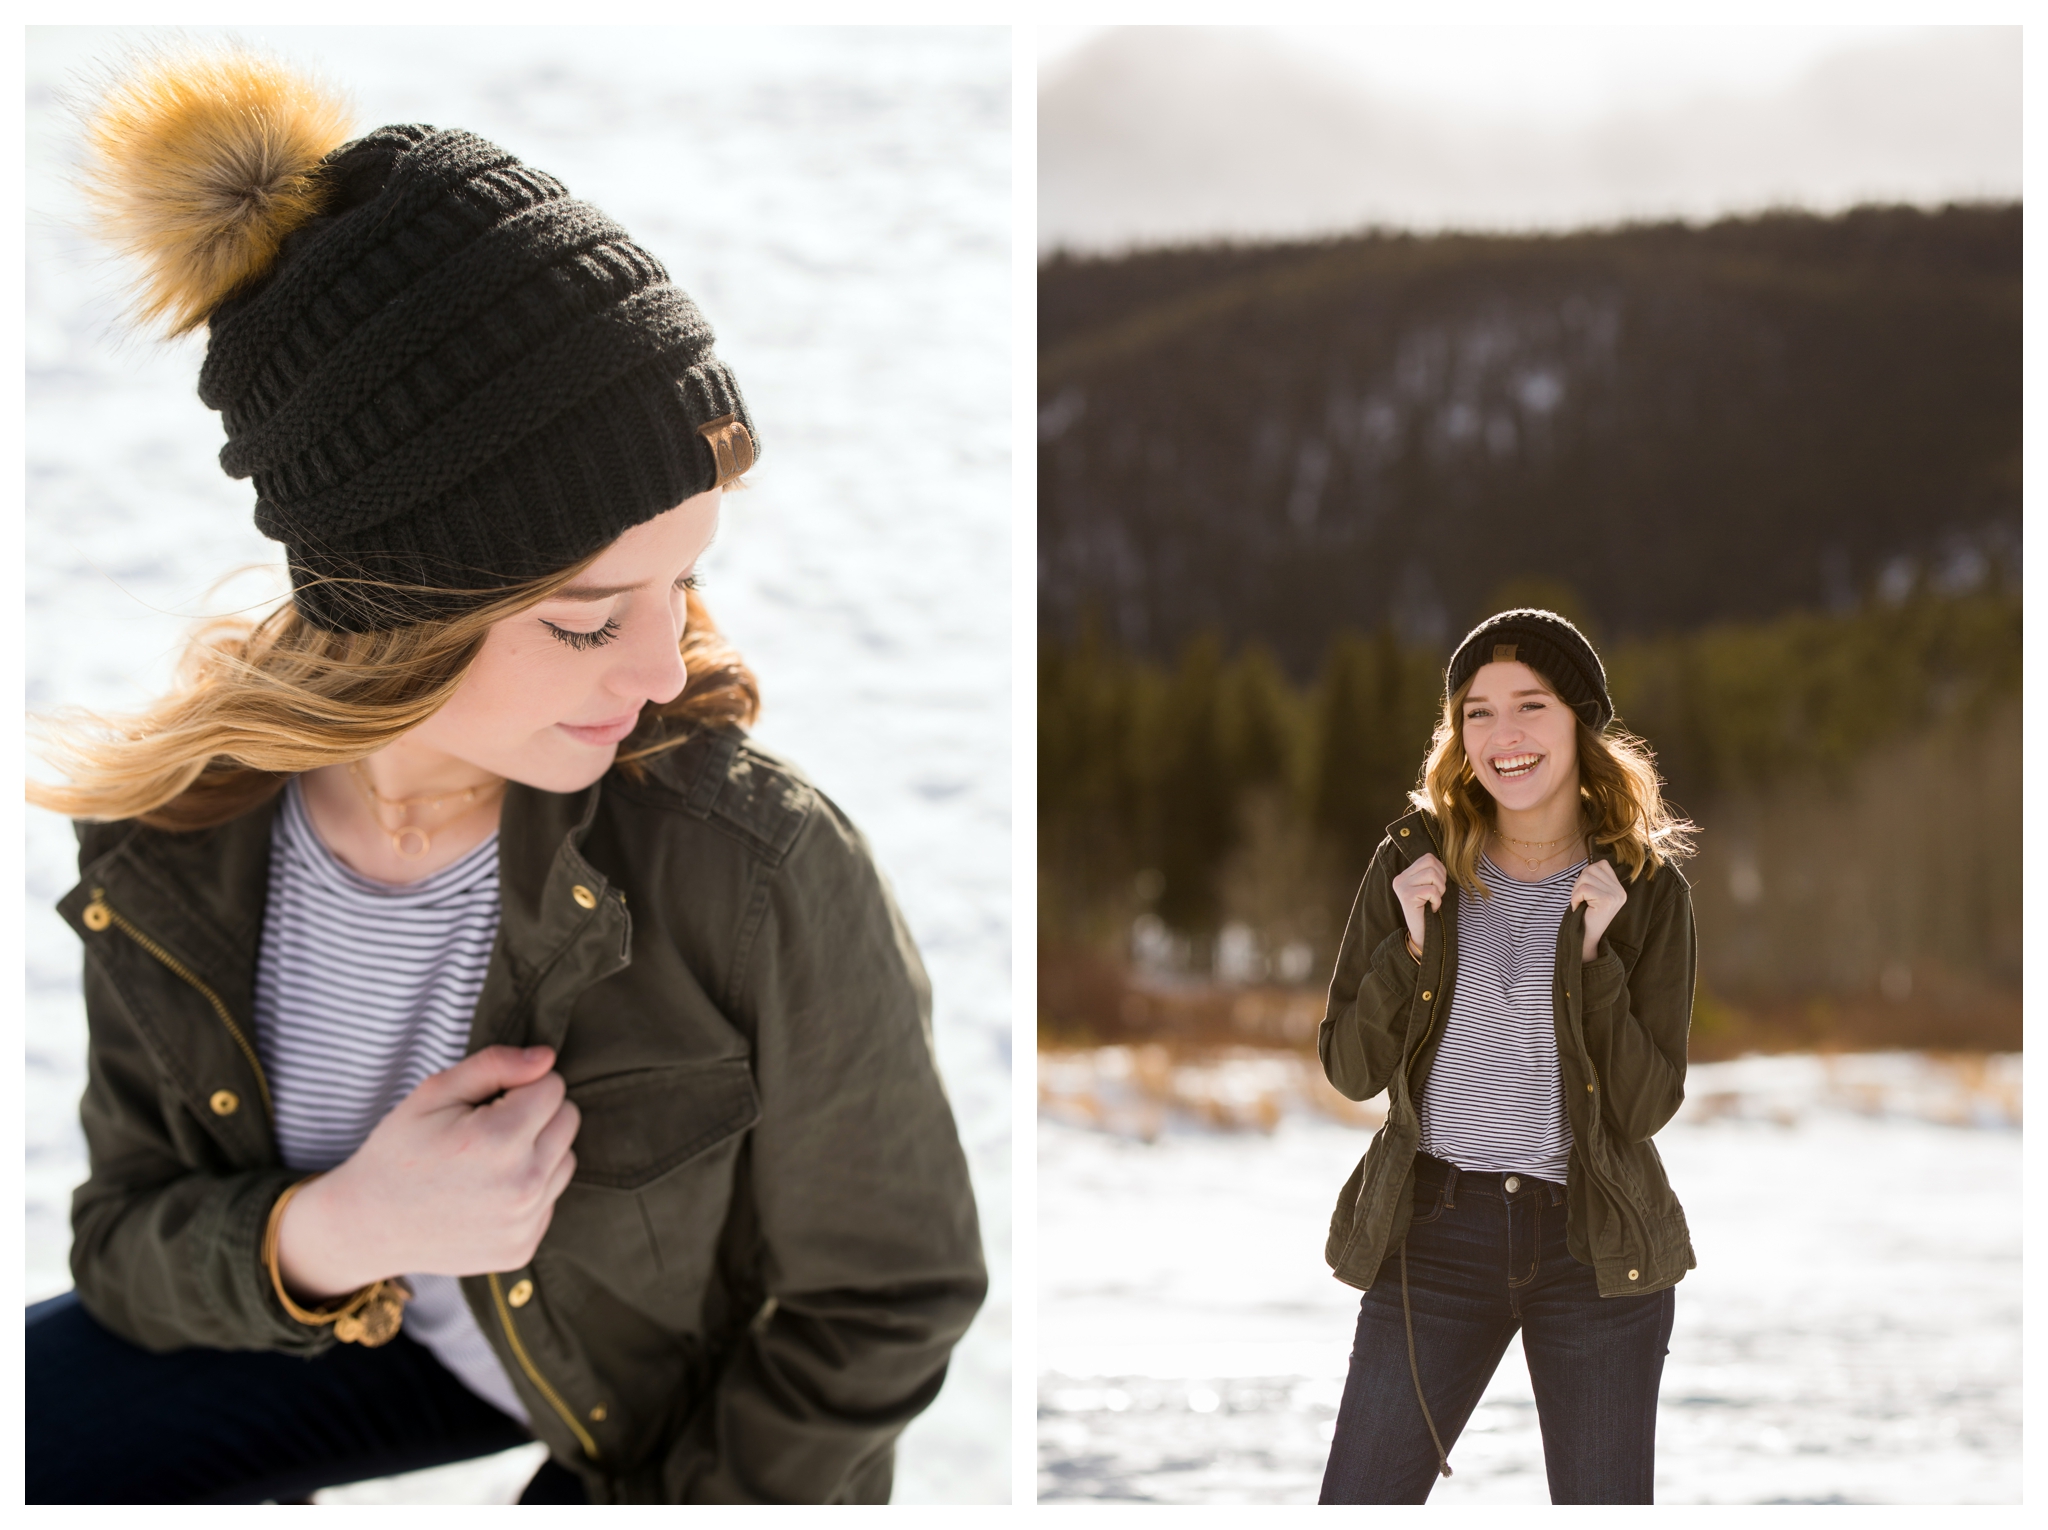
pixel 1621 1024
pixel 769 1247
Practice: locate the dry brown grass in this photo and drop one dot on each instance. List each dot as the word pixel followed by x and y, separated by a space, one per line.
pixel 1086 1000
pixel 1143 1090
pixel 1134 1091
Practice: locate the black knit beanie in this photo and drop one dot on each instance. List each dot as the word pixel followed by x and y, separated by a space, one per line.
pixel 1548 644
pixel 451 377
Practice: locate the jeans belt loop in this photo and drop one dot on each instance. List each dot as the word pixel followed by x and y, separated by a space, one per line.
pixel 1451 1188
pixel 1556 1192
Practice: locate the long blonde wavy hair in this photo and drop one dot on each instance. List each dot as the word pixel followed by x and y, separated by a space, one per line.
pixel 259 700
pixel 1621 800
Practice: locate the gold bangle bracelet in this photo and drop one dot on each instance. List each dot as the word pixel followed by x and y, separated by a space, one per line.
pixel 369 1316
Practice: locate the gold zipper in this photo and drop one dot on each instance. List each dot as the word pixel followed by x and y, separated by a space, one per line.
pixel 533 1374
pixel 107 915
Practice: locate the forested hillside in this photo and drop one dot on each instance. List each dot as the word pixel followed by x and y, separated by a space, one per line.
pixel 1660 426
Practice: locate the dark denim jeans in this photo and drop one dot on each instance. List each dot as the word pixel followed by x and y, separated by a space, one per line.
pixel 1483 1261
pixel 109 1422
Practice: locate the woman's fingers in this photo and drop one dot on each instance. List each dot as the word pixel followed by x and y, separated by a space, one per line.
pixel 1599 889
pixel 557 1135
pixel 521 1113
pixel 558 1181
pixel 1420 886
pixel 482 1075
pixel 1432 881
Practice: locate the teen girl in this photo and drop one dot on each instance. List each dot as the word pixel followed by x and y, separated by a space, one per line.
pixel 1517 975
pixel 488 1041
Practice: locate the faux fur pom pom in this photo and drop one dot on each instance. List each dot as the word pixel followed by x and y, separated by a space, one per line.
pixel 199 164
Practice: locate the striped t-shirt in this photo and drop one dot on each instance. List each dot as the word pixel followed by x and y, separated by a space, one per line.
pixel 362 990
pixel 1494 1102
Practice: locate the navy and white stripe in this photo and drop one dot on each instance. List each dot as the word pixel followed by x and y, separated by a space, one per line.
pixel 1494 1102
pixel 362 990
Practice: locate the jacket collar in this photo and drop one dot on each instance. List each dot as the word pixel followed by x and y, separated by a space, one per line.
pixel 1418 832
pixel 202 894
pixel 562 925
pixel 1415 834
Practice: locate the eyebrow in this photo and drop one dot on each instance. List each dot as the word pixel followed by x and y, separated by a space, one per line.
pixel 592 591
pixel 1533 691
pixel 606 591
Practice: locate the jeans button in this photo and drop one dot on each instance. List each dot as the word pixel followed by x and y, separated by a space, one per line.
pixel 1511 1184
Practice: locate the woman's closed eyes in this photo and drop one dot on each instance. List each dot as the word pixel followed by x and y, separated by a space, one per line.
pixel 598 637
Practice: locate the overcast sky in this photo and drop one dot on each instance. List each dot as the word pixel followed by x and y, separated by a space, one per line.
pixel 1554 73
pixel 1151 134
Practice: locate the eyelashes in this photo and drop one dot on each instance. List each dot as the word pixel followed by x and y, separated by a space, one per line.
pixel 584 641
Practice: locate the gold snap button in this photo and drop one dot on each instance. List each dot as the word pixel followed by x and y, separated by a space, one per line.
pixel 224 1102
pixel 1589 1089
pixel 1425 993
pixel 584 897
pixel 97 916
pixel 1404 833
pixel 1632 1274
pixel 520 1294
pixel 597 1414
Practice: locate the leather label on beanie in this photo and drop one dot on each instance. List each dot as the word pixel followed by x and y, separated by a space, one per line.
pixel 1504 653
pixel 730 445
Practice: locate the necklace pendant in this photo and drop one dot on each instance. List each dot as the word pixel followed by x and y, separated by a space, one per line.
pixel 412 835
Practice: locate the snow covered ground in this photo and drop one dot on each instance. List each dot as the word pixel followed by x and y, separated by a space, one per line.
pixel 838 204
pixel 1851 1335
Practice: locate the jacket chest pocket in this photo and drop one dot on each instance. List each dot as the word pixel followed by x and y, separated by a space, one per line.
pixel 655 1153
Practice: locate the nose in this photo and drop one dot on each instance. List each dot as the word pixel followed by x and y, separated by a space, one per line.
pixel 650 666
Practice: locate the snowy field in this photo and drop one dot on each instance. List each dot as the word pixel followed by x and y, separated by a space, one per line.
pixel 838 204
pixel 1851 1335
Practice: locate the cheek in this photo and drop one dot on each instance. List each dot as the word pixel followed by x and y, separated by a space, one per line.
pixel 1566 749
pixel 507 695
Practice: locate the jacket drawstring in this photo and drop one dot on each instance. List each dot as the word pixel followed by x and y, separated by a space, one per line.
pixel 1443 1460
pixel 1450 1199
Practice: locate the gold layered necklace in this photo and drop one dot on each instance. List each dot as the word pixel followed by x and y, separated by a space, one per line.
pixel 1536 862
pixel 411 841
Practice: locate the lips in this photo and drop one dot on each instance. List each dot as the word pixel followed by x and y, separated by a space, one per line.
pixel 603 734
pixel 1512 767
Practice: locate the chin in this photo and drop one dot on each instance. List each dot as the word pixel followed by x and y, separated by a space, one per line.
pixel 1515 796
pixel 567 775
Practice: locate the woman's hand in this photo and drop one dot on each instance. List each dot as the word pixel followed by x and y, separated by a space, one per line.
pixel 459 1179
pixel 1602 893
pixel 1421 884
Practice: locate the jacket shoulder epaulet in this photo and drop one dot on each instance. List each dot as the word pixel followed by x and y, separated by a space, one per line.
pixel 722 777
pixel 97 836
